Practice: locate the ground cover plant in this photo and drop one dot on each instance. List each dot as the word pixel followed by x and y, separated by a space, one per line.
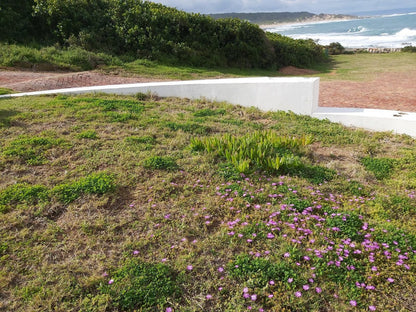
pixel 105 199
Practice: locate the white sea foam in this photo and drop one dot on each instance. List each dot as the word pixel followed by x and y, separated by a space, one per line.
pixel 391 32
pixel 398 40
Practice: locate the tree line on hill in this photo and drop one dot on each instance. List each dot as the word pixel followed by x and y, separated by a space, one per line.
pixel 149 30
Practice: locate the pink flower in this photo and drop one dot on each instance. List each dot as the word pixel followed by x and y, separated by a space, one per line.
pixel 305 287
pixel 253 297
pixel 390 280
pixel 372 308
pixel 110 281
pixel 270 235
pixel 286 255
pixel 270 296
pixel 318 290
pixel 290 280
pixel 136 252
pixel 298 294
pixel 169 309
pixel 271 282
pixel 353 303
pixel 189 267
pixel 220 269
pixel 208 297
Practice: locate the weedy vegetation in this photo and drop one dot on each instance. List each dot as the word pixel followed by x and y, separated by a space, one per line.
pixel 116 203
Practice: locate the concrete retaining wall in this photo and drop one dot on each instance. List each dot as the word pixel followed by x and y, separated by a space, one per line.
pixel 299 95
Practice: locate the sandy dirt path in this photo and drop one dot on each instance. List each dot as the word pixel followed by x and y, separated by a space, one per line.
pixel 396 91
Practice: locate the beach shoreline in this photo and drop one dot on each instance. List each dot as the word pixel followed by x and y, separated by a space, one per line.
pixel 313 20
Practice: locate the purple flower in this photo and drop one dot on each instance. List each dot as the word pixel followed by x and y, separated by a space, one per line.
pixel 220 269
pixel 372 308
pixel 253 297
pixel 189 267
pixel 286 255
pixel 305 287
pixel 318 290
pixel 208 297
pixel 136 252
pixel 270 235
pixel 353 303
pixel 245 290
pixel 390 280
pixel 290 280
pixel 110 281
pixel 271 282
pixel 169 309
pixel 298 294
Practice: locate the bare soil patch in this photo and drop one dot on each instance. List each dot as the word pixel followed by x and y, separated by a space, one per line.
pixel 26 81
pixel 394 90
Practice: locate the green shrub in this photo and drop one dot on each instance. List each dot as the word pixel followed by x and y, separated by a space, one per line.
pixel 147 139
pixel 335 48
pixel 258 270
pixel 409 49
pixel 22 193
pixel 143 286
pixel 314 174
pixel 98 183
pixel 297 203
pixel 31 150
pixel 348 225
pixel 88 134
pixel 380 167
pixel 160 163
pixel 300 53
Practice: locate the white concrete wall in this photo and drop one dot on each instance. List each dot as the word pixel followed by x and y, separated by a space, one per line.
pixel 299 95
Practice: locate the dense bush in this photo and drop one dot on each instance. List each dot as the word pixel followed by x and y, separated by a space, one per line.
pixel 335 48
pixel 15 20
pixel 300 53
pixel 409 49
pixel 144 29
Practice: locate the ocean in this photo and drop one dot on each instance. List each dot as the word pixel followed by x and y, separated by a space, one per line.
pixel 386 31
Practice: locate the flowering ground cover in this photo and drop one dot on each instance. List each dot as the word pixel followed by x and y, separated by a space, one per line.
pixel 112 203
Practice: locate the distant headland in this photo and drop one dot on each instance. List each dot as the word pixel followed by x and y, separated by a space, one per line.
pixel 275 18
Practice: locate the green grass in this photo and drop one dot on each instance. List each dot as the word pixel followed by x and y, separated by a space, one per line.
pixel 366 66
pixel 100 213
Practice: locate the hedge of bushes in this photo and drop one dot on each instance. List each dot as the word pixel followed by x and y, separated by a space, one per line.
pixel 149 30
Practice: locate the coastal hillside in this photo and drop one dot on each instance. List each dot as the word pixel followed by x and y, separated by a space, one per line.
pixel 262 18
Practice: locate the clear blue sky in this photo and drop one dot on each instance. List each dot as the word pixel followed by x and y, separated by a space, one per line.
pixel 314 6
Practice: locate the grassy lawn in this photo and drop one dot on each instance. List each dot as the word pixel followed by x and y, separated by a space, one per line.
pixel 365 66
pixel 113 203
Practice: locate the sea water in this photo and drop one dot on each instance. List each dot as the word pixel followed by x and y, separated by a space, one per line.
pixel 387 31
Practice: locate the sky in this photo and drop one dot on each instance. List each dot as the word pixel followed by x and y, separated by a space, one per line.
pixel 313 6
